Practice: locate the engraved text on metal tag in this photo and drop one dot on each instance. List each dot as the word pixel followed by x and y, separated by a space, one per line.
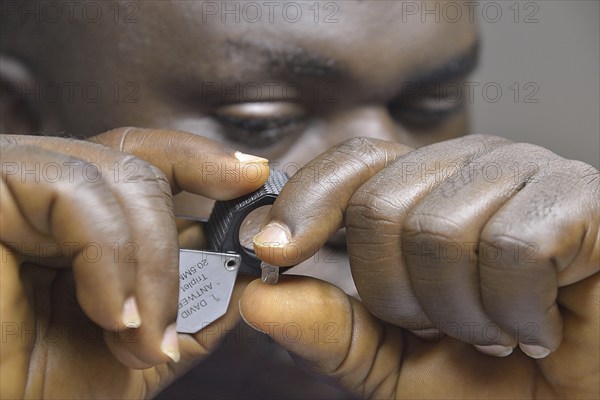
pixel 206 281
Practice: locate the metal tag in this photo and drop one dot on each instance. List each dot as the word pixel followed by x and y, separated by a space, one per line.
pixel 269 273
pixel 206 282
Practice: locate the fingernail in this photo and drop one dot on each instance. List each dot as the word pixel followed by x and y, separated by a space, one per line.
pixel 495 350
pixel 534 351
pixel 131 315
pixel 249 158
pixel 272 235
pixel 170 344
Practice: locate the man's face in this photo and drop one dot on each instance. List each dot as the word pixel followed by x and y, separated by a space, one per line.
pixel 283 80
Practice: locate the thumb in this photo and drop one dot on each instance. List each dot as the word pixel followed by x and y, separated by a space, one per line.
pixel 327 333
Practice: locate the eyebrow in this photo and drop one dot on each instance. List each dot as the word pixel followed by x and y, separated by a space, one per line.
pixel 457 66
pixel 291 59
pixel 300 62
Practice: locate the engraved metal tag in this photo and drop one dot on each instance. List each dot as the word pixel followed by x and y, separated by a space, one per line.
pixel 206 282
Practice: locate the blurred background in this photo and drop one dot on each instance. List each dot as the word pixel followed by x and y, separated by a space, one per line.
pixel 560 55
pixel 545 58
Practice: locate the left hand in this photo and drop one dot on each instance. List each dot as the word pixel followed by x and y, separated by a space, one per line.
pixel 101 323
pixel 492 243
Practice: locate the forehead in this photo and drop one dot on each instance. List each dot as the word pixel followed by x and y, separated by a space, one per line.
pixel 374 43
pixel 378 33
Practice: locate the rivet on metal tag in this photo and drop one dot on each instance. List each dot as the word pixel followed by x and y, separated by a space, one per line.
pixel 206 282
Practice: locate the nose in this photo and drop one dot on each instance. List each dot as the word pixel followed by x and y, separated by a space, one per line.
pixel 365 121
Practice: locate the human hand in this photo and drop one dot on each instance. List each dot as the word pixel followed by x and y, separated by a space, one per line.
pixel 89 267
pixel 461 251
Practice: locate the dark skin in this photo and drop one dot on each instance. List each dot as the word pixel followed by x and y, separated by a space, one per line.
pixel 388 344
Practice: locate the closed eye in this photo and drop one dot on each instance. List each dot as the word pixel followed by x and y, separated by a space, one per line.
pixel 260 124
pixel 427 107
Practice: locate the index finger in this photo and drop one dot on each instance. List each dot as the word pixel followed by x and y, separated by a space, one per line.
pixel 312 205
pixel 191 162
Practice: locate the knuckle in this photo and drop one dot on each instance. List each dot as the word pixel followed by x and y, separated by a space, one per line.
pixel 434 240
pixel 502 247
pixel 84 172
pixel 372 218
pixel 122 132
pixel 483 137
pixel 371 203
pixel 586 175
pixel 368 150
pixel 531 153
pixel 423 225
pixel 135 170
pixel 114 138
pixel 160 176
pixel 485 140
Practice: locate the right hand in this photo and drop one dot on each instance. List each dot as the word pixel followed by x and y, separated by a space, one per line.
pixel 89 249
pixel 429 318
